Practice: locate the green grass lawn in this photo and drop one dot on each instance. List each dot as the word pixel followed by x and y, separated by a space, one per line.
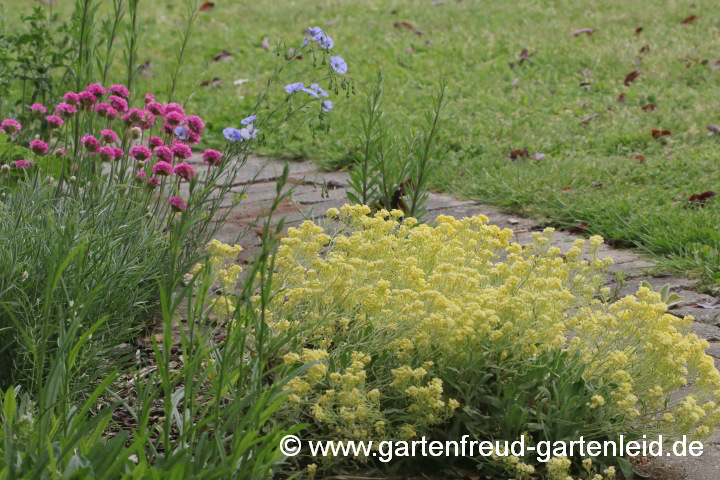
pixel 590 171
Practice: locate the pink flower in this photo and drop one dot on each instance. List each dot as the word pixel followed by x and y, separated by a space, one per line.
pixel 156 109
pixel 109 136
pixel 163 153
pixel 136 115
pixel 119 153
pixel 111 114
pixel 90 143
pixel 173 118
pixel 167 128
pixel 153 182
pixel 65 110
pixel 102 109
pixel 39 147
pixel 193 137
pixel 54 121
pixel 87 99
pixel 140 152
pixel 162 168
pixel 118 103
pixel 212 157
pixel 195 123
pixel 148 120
pixel 127 119
pixel 37 109
pixel 10 126
pixel 22 164
pixel 185 171
pixel 120 90
pixel 149 98
pixel 180 150
pixel 156 142
pixel 174 107
pixel 140 176
pixel 71 98
pixel 107 154
pixel 60 152
pixel 178 204
pixel 97 90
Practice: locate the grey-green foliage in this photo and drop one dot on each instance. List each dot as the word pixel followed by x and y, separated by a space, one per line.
pixel 114 275
pixel 391 170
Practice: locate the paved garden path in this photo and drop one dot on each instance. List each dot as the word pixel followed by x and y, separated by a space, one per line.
pixel 309 200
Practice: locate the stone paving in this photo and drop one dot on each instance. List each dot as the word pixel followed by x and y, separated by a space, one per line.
pixel 309 202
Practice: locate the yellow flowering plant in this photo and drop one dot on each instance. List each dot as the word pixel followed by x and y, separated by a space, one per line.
pixel 407 330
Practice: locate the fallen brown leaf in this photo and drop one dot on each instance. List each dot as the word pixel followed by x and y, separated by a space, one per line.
pixel 649 107
pixel 660 133
pixel 206 6
pixel 588 31
pixel 519 153
pixel 699 199
pixel 638 30
pixel 689 20
pixel 631 77
pixel 223 56
pixel 645 49
pixel 579 229
pixel 640 158
pixel 587 120
pixel 622 98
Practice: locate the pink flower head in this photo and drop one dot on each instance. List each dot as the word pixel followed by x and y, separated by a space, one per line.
pixel 109 136
pixel 136 115
pixel 127 119
pixel 162 168
pixel 97 90
pixel 212 157
pixel 87 99
pixel 180 150
pixel 156 142
pixel 10 126
pixel 174 107
pixel 140 176
pixel 185 171
pixel 37 109
pixel 178 204
pixel 153 182
pixel 111 114
pixel 65 110
pixel 195 123
pixel 193 138
pixel 120 90
pixel 39 147
pixel 167 128
pixel 156 108
pixel 102 109
pixel 140 153
pixel 148 120
pixel 107 154
pixel 71 98
pixel 119 153
pixel 22 164
pixel 118 103
pixel 149 98
pixel 54 121
pixel 163 153
pixel 173 118
pixel 90 143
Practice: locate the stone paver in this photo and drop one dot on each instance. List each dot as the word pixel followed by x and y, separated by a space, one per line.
pixel 309 201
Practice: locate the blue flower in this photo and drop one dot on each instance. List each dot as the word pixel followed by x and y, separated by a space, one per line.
pixel 338 64
pixel 319 90
pixel 327 106
pixel 314 31
pixel 181 133
pixel 324 41
pixel 248 120
pixel 233 134
pixel 249 132
pixel 294 87
pixel 312 93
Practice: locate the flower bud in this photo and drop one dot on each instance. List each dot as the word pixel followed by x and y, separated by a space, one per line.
pixel 72 179
pixel 135 132
pixel 5 168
